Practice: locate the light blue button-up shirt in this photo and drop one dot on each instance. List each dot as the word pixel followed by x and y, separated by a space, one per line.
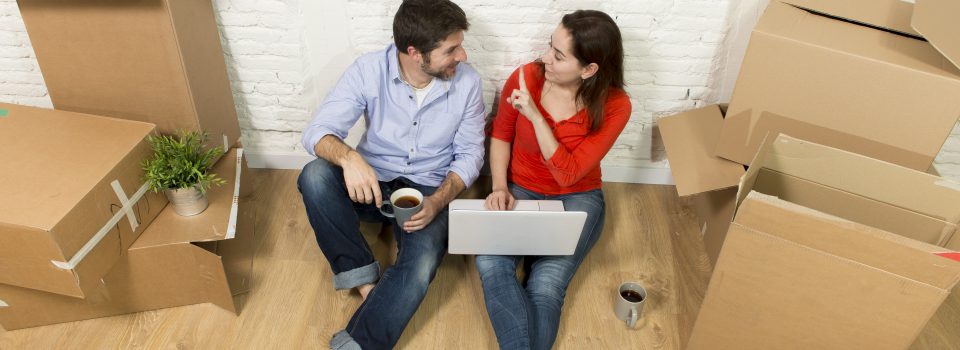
pixel 421 144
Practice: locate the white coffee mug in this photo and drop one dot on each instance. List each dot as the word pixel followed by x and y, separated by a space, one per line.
pixel 628 302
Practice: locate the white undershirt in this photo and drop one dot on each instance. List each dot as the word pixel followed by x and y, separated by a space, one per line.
pixel 422 93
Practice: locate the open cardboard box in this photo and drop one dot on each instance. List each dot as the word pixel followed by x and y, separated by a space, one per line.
pixel 73 198
pixel 177 261
pixel 710 181
pixel 157 61
pixel 851 86
pixel 830 250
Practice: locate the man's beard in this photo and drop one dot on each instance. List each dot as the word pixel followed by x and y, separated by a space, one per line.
pixel 441 74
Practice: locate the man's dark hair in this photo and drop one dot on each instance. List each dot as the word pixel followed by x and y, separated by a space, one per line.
pixel 423 24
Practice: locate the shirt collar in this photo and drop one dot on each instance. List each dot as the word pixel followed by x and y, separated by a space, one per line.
pixel 393 63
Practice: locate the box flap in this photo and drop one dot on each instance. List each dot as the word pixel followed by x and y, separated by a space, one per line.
pixel 68 153
pixel 689 138
pixel 217 222
pixel 715 209
pixel 836 236
pixel 853 207
pixel 902 187
pixel 938 21
pixel 888 14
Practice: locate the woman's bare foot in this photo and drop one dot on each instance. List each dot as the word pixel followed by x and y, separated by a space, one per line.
pixel 365 290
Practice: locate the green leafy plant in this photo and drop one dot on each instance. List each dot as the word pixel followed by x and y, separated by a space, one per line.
pixel 181 162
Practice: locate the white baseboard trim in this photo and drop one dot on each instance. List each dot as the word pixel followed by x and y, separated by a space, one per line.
pixel 296 160
pixel 277 160
pixel 638 175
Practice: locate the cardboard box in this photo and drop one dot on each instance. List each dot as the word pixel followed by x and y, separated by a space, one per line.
pixel 876 93
pixel 689 138
pixel 71 185
pixel 715 209
pixel 830 250
pixel 895 15
pixel 937 21
pixel 177 261
pixel 157 61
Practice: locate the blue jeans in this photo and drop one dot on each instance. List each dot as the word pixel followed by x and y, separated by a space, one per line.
pixel 527 315
pixel 380 320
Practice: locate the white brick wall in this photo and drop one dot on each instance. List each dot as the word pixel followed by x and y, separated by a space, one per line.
pixel 20 78
pixel 283 56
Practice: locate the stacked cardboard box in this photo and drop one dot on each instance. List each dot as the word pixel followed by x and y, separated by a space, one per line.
pixel 177 261
pixel 156 61
pixel 73 197
pixel 80 234
pixel 834 232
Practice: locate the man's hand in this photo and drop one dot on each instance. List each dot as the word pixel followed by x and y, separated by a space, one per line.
pixel 500 199
pixel 431 206
pixel 361 180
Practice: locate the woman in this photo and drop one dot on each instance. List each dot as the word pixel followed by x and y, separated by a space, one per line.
pixel 558 118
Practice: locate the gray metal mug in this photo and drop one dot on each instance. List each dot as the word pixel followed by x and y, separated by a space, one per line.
pixel 628 302
pixel 410 201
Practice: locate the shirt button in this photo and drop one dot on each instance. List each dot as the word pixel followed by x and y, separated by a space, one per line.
pixel 411 97
pixel 408 163
pixel 414 123
pixel 411 150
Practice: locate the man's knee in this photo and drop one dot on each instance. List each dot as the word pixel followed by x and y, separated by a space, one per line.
pixel 319 176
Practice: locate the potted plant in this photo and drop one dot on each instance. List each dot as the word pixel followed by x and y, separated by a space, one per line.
pixel 180 168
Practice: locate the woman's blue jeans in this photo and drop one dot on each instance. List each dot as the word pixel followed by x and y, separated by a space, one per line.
pixel 527 315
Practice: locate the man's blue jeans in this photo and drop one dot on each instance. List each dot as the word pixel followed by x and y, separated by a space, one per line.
pixel 527 316
pixel 380 320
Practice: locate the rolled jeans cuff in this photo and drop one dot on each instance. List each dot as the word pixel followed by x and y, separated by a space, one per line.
pixel 357 277
pixel 343 341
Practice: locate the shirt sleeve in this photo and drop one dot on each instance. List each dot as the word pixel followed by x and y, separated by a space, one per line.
pixel 339 111
pixel 568 166
pixel 505 123
pixel 468 142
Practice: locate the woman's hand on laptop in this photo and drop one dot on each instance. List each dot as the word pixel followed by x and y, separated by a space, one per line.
pixel 500 199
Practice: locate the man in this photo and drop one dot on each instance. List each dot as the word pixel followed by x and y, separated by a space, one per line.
pixel 425 117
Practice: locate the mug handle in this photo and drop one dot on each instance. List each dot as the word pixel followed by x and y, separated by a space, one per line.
pixel 390 214
pixel 634 315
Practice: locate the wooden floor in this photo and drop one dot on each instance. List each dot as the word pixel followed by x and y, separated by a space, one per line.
pixel 650 236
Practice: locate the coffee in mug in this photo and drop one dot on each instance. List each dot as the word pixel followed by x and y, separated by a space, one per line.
pixel 628 302
pixel 631 296
pixel 404 203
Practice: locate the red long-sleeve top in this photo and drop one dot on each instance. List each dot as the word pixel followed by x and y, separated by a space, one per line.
pixel 575 165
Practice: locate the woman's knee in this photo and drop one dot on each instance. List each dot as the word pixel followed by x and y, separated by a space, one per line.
pixel 495 265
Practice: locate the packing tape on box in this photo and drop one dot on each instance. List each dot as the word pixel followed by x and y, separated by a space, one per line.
pixel 3 304
pixel 125 205
pixel 234 207
pixel 124 211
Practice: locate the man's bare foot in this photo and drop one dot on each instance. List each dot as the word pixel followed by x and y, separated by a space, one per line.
pixel 365 290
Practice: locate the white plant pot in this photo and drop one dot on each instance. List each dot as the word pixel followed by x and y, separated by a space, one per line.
pixel 187 201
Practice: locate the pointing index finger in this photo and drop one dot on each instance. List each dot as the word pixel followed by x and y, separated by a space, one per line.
pixel 523 84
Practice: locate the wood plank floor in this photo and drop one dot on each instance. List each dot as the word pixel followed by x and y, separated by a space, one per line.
pixel 650 236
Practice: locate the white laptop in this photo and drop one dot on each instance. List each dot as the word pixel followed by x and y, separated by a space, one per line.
pixel 532 228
